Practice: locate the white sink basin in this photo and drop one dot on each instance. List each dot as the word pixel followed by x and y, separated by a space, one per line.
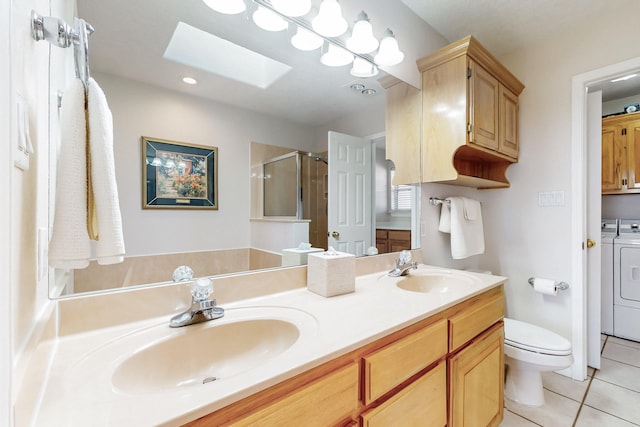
pixel 160 359
pixel 204 353
pixel 437 281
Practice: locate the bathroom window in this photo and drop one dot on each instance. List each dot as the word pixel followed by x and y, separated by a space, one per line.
pixel 399 196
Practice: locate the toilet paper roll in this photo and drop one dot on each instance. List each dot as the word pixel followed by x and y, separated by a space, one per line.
pixel 545 286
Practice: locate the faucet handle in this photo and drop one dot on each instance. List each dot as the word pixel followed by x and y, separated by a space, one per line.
pixel 201 289
pixel 405 257
pixel 182 274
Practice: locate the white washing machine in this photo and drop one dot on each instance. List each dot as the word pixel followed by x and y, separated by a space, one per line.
pixel 609 232
pixel 626 283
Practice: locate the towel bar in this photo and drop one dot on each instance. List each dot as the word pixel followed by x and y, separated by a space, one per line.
pixel 436 201
pixel 561 286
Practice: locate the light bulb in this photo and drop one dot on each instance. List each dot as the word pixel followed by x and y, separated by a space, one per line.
pixel 363 68
pixel 329 21
pixel 362 40
pixel 292 7
pixel 389 54
pixel 306 40
pixel 228 7
pixel 336 56
pixel 267 20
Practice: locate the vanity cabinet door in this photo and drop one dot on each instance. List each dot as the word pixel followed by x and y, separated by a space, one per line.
pixel 422 403
pixel 476 376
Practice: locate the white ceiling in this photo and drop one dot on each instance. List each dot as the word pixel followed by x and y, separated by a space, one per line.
pixel 131 36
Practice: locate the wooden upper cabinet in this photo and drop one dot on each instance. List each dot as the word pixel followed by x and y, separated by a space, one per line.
pixel 469 116
pixel 484 95
pixel 403 129
pixel 611 159
pixel 621 154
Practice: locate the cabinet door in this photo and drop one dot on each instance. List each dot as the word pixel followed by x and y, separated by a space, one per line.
pixel 476 394
pixel 508 123
pixel 612 158
pixel 422 403
pixel 484 96
pixel 633 155
pixel 403 138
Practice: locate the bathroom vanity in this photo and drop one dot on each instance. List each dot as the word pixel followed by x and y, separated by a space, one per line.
pixel 400 379
pixel 425 348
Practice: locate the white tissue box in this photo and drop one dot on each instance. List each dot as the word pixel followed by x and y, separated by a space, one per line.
pixel 295 256
pixel 331 274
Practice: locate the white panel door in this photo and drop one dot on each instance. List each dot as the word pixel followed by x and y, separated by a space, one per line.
pixel 594 219
pixel 350 222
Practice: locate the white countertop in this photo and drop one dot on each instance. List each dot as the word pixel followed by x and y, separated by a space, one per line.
pixel 79 390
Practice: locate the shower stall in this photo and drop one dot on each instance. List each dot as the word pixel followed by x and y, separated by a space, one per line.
pixel 295 185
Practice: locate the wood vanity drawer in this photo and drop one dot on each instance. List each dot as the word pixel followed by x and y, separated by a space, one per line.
pixel 327 401
pixel 397 362
pixel 479 315
pixel 423 403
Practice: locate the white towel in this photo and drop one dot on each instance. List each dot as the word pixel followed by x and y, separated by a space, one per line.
pixel 69 246
pixel 445 218
pixel 467 232
pixel 110 244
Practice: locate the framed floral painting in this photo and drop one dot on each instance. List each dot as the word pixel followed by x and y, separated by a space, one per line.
pixel 178 175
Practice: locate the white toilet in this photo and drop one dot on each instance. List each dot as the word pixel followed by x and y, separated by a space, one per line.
pixel 530 350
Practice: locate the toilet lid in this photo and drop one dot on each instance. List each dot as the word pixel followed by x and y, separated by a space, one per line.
pixel 534 338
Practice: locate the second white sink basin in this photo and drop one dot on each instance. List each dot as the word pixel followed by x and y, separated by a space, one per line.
pixel 437 281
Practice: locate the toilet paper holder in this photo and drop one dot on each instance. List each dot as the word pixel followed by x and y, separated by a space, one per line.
pixel 560 286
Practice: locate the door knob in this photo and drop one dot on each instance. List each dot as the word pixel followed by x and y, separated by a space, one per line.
pixel 335 234
pixel 590 243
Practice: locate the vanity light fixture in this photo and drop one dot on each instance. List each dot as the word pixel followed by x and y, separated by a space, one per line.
pixel 362 40
pixel 306 40
pixel 268 20
pixel 335 56
pixel 189 80
pixel 292 8
pixel 362 68
pixel 389 53
pixel 228 7
pixel 329 22
pixel 327 26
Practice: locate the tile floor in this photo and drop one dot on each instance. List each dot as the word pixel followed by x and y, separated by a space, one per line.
pixel 610 397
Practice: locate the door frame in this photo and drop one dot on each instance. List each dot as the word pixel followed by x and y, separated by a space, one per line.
pixel 579 87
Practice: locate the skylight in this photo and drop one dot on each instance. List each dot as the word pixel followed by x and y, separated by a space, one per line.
pixel 199 49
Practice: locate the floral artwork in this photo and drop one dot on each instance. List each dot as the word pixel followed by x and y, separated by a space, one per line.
pixel 179 175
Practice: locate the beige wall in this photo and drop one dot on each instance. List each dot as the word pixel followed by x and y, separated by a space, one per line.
pixel 140 109
pixel 535 241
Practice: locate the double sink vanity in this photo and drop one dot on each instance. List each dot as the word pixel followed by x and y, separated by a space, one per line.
pixel 425 348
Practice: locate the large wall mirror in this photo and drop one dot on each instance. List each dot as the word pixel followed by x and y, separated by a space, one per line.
pixel 139 57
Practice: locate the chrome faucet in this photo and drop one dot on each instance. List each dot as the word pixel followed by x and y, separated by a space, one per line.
pixel 202 308
pixel 403 265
